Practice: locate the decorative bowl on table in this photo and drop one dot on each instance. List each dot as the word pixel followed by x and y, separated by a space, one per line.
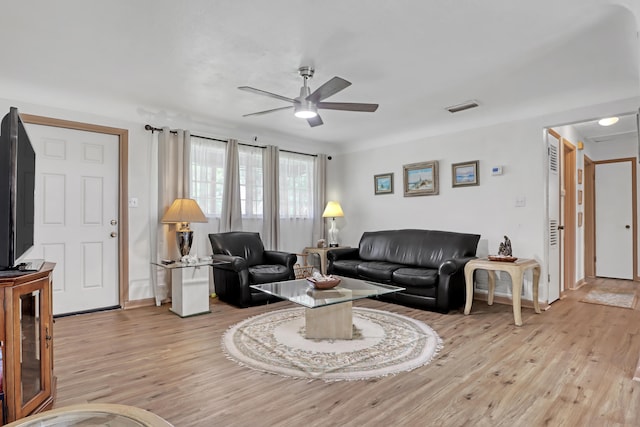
pixel 324 282
pixel 503 258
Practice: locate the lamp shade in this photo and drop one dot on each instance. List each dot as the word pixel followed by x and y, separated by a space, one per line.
pixel 333 210
pixel 184 210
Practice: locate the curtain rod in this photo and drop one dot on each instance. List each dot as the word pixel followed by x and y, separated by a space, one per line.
pixel 155 129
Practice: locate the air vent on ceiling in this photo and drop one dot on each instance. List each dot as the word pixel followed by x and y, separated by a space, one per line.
pixel 464 106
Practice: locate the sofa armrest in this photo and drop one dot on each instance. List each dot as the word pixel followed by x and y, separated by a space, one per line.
pixel 453 265
pixel 279 257
pixel 234 263
pixel 343 253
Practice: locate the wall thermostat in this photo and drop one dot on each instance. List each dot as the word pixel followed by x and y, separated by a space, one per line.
pixel 496 170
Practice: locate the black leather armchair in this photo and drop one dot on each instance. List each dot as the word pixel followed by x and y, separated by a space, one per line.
pixel 247 263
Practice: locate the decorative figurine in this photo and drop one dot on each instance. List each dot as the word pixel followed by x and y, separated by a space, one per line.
pixel 505 247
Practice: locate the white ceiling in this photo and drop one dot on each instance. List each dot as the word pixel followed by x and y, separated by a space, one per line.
pixel 171 61
pixel 624 130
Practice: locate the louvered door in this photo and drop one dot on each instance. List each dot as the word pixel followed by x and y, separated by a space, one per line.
pixel 553 238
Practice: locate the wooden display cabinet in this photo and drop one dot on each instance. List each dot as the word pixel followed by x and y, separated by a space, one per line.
pixel 26 343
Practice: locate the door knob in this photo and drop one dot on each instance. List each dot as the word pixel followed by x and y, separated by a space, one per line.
pixel 114 222
pixel 561 227
pixel 627 226
pixel 114 234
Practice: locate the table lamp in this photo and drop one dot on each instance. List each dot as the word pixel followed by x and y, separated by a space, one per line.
pixel 332 211
pixel 182 212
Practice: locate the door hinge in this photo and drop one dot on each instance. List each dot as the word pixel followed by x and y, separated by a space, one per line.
pixel 549 278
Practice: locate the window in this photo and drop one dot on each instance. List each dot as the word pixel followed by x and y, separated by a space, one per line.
pixel 296 186
pixel 251 181
pixel 207 174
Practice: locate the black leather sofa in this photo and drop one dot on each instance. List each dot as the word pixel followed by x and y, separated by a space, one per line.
pixel 429 264
pixel 245 262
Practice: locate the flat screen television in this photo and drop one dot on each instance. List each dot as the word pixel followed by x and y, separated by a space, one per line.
pixel 17 190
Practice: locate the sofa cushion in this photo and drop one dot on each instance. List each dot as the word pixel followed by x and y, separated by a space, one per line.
pixel 346 267
pixel 267 273
pixel 378 271
pixel 421 277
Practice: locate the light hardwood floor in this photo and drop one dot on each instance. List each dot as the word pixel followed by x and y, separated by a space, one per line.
pixel 572 365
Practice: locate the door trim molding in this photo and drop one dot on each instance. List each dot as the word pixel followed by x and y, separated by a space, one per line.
pixel 123 186
pixel 589 218
pixel 569 209
pixel 634 208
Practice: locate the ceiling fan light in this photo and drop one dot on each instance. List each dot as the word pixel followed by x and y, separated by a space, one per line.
pixel 608 121
pixel 307 111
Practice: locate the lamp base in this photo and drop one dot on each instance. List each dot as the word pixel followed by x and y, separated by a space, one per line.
pixel 184 240
pixel 333 234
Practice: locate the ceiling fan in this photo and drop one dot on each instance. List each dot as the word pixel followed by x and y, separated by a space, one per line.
pixel 307 104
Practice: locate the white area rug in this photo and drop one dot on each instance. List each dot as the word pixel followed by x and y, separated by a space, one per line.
pixel 615 298
pixel 383 343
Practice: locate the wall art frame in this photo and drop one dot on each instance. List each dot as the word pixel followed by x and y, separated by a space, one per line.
pixel 383 183
pixel 465 174
pixel 421 179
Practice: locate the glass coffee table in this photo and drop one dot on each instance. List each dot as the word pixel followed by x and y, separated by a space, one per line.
pixel 328 313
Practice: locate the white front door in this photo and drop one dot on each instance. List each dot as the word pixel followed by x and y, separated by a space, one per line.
pixel 76 219
pixel 614 223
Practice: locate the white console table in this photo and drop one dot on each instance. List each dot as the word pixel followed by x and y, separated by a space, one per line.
pixel 189 296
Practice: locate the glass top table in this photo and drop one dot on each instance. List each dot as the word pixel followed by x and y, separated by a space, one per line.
pixel 328 313
pixel 91 415
pixel 302 292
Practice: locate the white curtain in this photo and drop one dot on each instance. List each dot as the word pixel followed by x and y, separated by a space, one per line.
pixel 171 150
pixel 231 217
pixel 271 199
pixel 320 175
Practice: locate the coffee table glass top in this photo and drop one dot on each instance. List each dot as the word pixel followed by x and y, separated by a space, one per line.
pixel 301 292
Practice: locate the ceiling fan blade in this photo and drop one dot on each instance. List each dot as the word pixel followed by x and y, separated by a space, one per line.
pixel 315 121
pixel 259 113
pixel 331 87
pixel 265 93
pixel 347 106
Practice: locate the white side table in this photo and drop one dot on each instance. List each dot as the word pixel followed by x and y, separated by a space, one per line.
pixel 188 297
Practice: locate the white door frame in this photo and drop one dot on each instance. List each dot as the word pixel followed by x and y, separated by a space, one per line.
pixel 123 164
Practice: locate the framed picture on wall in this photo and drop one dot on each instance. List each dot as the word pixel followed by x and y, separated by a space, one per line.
pixel 465 174
pixel 383 183
pixel 421 179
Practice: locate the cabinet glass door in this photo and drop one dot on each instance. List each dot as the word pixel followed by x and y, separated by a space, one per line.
pixel 30 349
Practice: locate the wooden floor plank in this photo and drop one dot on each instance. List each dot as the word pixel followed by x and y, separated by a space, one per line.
pixel 571 365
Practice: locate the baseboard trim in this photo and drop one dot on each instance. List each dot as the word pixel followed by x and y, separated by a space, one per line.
pixel 146 302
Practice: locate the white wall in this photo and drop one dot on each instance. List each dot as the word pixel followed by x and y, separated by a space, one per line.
pixel 488 209
pixel 139 171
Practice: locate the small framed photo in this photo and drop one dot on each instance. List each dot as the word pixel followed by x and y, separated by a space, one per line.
pixel 383 183
pixel 465 174
pixel 421 179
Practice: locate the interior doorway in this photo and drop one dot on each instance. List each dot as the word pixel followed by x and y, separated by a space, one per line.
pixel 615 219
